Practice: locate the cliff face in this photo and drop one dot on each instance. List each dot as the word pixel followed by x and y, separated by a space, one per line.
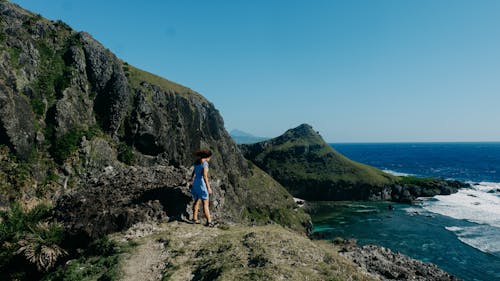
pixel 74 119
pixel 310 169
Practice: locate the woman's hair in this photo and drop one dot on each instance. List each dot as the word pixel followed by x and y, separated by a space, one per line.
pixel 204 153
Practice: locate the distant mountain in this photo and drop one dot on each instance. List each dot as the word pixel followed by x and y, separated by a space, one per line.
pixel 241 137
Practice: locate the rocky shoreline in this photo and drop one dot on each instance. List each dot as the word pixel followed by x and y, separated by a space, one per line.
pixel 389 265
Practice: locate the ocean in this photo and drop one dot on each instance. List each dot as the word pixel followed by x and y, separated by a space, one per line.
pixel 460 232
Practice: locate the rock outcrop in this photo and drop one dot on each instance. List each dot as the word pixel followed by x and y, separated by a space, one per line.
pixel 388 265
pixel 312 170
pixel 118 199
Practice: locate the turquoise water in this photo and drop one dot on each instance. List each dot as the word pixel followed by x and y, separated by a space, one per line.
pixel 459 232
pixel 408 229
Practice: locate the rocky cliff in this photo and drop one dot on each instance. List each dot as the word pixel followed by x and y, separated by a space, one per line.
pixel 311 169
pixel 83 128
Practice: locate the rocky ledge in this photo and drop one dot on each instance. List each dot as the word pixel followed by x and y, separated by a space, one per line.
pixel 121 197
pixel 388 265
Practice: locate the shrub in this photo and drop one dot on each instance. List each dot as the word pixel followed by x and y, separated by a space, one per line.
pixel 126 154
pixel 66 145
pixel 30 237
pixel 2 36
pixel 100 261
pixel 41 247
pixel 38 107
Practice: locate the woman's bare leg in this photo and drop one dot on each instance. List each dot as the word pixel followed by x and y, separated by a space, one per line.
pixel 206 210
pixel 196 207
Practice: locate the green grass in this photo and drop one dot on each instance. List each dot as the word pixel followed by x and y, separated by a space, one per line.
pixel 55 75
pixel 268 201
pixel 414 180
pixel 137 76
pixel 253 253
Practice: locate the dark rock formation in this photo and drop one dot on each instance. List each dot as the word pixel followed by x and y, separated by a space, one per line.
pixel 310 169
pixel 388 265
pixel 118 199
pixel 410 188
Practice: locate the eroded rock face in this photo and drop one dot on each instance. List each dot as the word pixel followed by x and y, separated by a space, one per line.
pixel 121 197
pixel 106 75
pixel 17 123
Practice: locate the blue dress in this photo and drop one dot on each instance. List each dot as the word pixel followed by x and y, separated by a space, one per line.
pixel 199 189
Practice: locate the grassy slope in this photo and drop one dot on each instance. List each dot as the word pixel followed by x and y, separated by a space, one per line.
pixel 240 253
pixel 320 162
pixel 270 201
pixel 136 76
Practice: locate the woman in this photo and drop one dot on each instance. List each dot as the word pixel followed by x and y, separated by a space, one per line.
pixel 200 186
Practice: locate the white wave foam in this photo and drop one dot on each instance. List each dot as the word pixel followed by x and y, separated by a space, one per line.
pixel 481 237
pixel 398 174
pixel 453 228
pixel 474 204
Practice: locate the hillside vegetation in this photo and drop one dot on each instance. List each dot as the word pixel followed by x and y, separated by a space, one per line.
pixel 311 169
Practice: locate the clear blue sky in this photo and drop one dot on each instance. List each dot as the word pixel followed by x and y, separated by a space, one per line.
pixel 357 71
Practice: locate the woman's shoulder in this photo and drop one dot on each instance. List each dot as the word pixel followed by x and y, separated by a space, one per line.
pixel 205 164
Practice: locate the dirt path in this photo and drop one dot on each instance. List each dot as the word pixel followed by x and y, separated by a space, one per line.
pixel 159 246
pixel 146 263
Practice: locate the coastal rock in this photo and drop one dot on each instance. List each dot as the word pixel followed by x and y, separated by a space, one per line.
pixel 388 265
pixel 410 188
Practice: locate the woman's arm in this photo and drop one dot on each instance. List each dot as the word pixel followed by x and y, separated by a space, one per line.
pixel 205 178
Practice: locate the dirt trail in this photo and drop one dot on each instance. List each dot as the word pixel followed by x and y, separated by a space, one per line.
pixel 146 263
pixel 151 258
